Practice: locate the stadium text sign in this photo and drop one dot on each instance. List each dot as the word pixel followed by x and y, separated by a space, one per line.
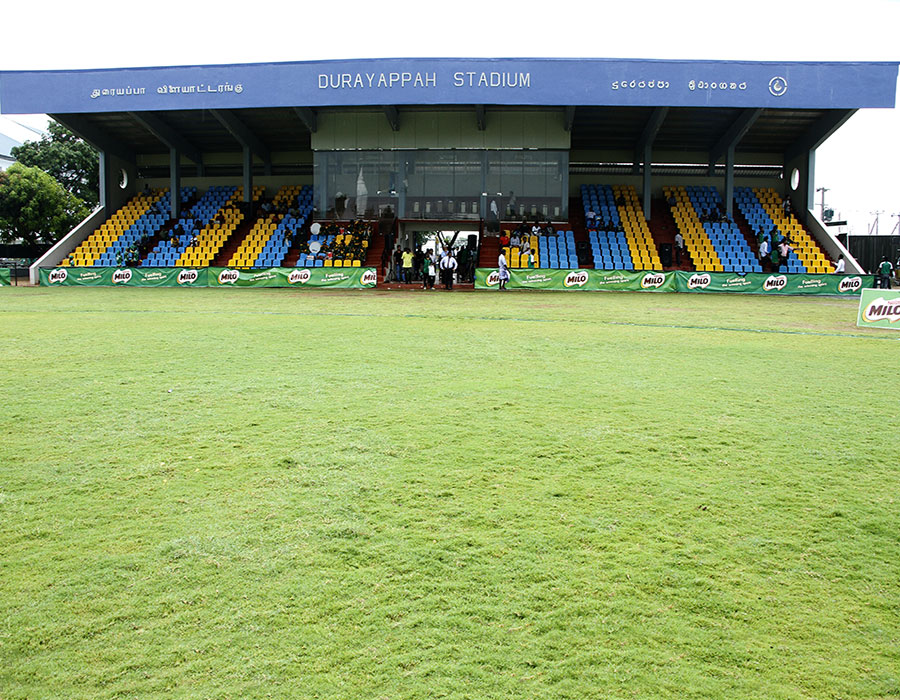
pixel 502 81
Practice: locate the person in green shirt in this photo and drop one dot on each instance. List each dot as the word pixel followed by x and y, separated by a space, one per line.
pixel 884 272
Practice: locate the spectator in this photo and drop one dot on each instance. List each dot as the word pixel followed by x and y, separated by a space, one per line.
pixel 398 264
pixel 511 206
pixel 784 250
pixel 679 244
pixel 884 272
pixel 590 219
pixel 448 265
pixel 502 271
pixel 763 251
pixel 504 239
pixel 428 270
pixel 515 241
pixel 840 265
pixel 418 262
pixel 407 261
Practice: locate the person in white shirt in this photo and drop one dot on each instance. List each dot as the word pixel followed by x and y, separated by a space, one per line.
pixel 502 271
pixel 763 251
pixel 839 266
pixel 448 265
pixel 679 244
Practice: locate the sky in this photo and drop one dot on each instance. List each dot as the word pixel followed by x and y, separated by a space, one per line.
pixel 858 164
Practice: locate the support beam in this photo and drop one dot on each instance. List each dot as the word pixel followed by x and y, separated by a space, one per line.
pixel 393 117
pixel 246 138
pixel 643 154
pixel 645 141
pixel 168 136
pixel 175 182
pixel 816 135
pixel 309 118
pixel 94 136
pixel 480 117
pixel 248 175
pixel 569 118
pixel 732 136
pixel 729 182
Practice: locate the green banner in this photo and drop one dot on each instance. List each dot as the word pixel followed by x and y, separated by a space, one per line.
pixel 675 281
pixel 317 277
pixel 761 283
pixel 5 277
pixel 879 308
pixel 591 280
pixel 124 277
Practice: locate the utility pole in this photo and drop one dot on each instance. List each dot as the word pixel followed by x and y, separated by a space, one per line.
pixel 823 190
pixel 873 227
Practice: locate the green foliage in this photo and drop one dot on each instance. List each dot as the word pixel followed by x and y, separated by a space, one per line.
pixel 34 208
pixel 68 159
pixel 247 494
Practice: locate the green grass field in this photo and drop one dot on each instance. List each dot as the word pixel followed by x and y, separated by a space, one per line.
pixel 295 494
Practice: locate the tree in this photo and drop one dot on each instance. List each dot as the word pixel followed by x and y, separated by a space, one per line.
pixel 64 156
pixel 34 208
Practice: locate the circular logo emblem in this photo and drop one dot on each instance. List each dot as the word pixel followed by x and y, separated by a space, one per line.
pixel 778 86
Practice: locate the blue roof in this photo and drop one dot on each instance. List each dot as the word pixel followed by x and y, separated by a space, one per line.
pixel 433 81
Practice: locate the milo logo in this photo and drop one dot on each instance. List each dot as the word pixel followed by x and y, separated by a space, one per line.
pixel 493 279
pixel 774 283
pixel 299 276
pixel 881 310
pixel 850 284
pixel 653 280
pixel 121 276
pixel 576 279
pixel 188 276
pixel 228 276
pixel 699 281
pixel 369 278
pixel 59 275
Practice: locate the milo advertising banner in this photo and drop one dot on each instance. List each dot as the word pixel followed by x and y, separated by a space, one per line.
pixel 5 277
pixel 314 277
pixel 761 283
pixel 123 277
pixel 590 280
pixel 879 308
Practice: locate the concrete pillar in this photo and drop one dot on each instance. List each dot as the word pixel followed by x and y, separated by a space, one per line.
pixel 175 182
pixel 248 175
pixel 729 182
pixel 647 193
pixel 112 195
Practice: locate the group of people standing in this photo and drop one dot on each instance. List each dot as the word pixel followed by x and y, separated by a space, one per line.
pixel 776 255
pixel 445 265
pixel 408 266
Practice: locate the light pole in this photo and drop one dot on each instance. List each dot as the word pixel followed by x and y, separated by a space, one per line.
pixel 823 190
pixel 873 227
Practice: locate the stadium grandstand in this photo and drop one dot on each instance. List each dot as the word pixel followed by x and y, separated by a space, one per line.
pixel 595 163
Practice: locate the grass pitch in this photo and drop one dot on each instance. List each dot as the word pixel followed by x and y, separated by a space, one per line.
pixel 279 493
